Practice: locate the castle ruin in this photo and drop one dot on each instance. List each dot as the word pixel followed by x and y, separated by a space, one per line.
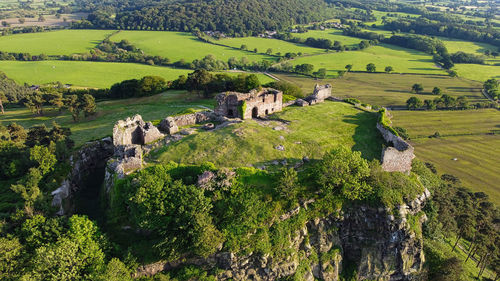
pixel 256 103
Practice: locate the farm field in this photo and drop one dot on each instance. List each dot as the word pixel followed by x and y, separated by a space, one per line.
pixel 467 136
pixel 477 72
pixel 181 45
pixel 390 89
pixel 83 73
pixel 262 44
pixel 457 45
pixel 401 59
pixel 331 34
pixel 50 20
pixel 108 112
pixel 253 142
pixel 61 42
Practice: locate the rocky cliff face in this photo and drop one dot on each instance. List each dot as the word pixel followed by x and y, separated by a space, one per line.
pixel 84 163
pixel 377 244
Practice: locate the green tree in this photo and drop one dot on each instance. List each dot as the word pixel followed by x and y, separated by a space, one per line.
pixel 269 51
pixel 244 47
pixel 453 73
pixel 251 82
pixel 430 104
pixel 22 20
pixel 43 157
pixel 437 91
pixel 3 99
pixel 344 172
pixel 417 88
pixel 11 258
pixel 28 189
pixel 115 271
pixel 198 81
pixel 321 73
pixel 371 67
pixel 348 67
pixel 305 68
pixel 287 183
pixel 72 103
pixel 389 69
pixel 414 103
pixel 34 102
pixel 17 133
pixel 150 85
pixel 88 105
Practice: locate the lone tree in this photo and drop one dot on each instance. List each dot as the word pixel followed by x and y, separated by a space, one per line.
pixel 22 20
pixel 321 73
pixel 389 69
pixel 417 88
pixel 3 99
pixel 269 51
pixel 348 67
pixel 437 91
pixel 244 47
pixel 371 67
pixel 414 103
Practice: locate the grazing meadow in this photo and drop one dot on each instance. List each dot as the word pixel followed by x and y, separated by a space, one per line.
pixel 469 146
pixel 390 90
pixel 331 34
pixel 178 46
pixel 402 60
pixel 61 42
pixel 262 44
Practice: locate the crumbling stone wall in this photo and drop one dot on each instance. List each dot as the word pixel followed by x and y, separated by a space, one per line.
pixel 249 105
pixel 322 92
pixel 171 124
pixel 399 156
pixel 134 131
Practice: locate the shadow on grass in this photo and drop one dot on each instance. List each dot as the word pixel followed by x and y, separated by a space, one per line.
pixel 367 139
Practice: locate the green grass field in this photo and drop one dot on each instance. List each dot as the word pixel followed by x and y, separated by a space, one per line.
pixel 457 45
pixel 262 44
pixel 181 45
pixel 108 112
pixel 62 42
pixel 83 73
pixel 467 137
pixel 477 72
pixel 253 142
pixel 401 59
pixel 390 89
pixel 331 34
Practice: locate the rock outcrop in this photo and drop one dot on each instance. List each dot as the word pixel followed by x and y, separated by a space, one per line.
pixel 84 162
pixel 372 240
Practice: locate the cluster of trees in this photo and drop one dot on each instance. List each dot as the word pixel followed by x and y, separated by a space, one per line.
pixel 22 56
pixel 146 86
pixel 240 18
pixel 492 88
pixel 357 32
pixel 461 57
pixel 443 102
pixel 75 104
pixel 304 69
pixel 34 244
pixel 12 91
pixel 445 29
pixel 206 83
pixel 455 211
pixel 122 51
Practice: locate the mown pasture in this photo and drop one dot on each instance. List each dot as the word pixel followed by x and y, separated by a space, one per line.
pixel 478 72
pixel 390 89
pixel 331 34
pixel 469 146
pixel 254 142
pixel 90 74
pixel 108 112
pixel 262 44
pixel 402 60
pixel 178 46
pixel 83 73
pixel 61 42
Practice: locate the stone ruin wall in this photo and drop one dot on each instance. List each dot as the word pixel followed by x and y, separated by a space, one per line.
pixel 266 101
pixel 399 156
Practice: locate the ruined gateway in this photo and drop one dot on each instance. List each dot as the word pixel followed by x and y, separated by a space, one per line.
pixel 256 103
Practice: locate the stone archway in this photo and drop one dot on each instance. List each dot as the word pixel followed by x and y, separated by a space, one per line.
pixel 255 112
pixel 230 113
